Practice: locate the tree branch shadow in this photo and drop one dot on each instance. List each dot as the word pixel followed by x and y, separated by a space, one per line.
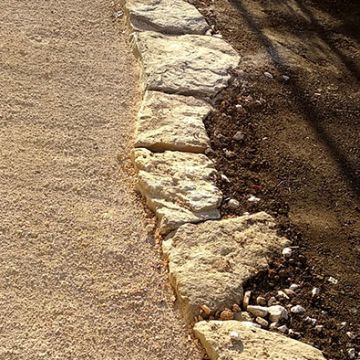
pixel 311 113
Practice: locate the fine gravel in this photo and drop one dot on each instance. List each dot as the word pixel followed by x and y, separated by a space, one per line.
pixel 80 277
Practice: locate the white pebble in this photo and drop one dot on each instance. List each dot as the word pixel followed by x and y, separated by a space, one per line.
pixel 253 198
pixel 268 75
pixel 246 299
pixel 255 310
pixel 351 335
pixel 297 309
pixel 277 313
pixel 294 287
pixel 281 294
pixel 239 136
pixel 287 252
pixel 233 204
pixel 225 178
pixel 273 326
pixel 272 301
pixel 310 320
pixel 319 328
pixel 352 353
pixel 315 292
pixel 283 329
pixel 264 323
pixel 332 280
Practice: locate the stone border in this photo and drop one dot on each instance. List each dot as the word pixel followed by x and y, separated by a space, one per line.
pixel 183 66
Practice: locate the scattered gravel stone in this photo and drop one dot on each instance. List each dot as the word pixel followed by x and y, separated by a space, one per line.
pixel 315 292
pixel 277 313
pixel 286 78
pixel 351 335
pixel 260 300
pixel 343 325
pixel 281 294
pixel 294 334
pixel 261 321
pixel 253 198
pixel 239 136
pixel 294 287
pixel 233 204
pixel 246 299
pixel 260 311
pixel 226 314
pixel 310 320
pixel 272 301
pixel 289 292
pixel 287 252
pixel 268 75
pixel 352 353
pixel 283 329
pixel 229 154
pixel 319 328
pixel 224 177
pixel 332 280
pixel 236 308
pixel 273 326
pixel 297 309
pixel 206 309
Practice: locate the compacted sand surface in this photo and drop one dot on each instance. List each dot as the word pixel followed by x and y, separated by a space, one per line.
pixel 79 276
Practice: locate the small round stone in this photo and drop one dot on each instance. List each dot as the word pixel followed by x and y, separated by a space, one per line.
pixel 260 300
pixel 226 314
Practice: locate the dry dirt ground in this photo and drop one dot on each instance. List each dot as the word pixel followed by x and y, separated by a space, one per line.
pixel 294 104
pixel 79 276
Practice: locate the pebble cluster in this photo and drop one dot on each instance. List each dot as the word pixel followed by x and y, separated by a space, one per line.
pixel 278 310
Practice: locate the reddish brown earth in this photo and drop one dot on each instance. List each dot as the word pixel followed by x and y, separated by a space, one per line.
pixel 300 149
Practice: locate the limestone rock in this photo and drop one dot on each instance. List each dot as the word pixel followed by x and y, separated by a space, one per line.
pixel 172 122
pixel 251 343
pixel 167 16
pixel 188 64
pixel 178 186
pixel 209 262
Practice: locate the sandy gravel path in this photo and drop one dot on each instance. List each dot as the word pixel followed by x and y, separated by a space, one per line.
pixel 79 277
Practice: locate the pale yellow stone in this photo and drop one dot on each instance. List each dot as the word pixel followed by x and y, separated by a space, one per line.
pixel 167 16
pixel 209 262
pixel 188 64
pixel 179 187
pixel 220 343
pixel 172 122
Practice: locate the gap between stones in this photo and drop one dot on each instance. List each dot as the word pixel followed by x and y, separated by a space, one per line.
pixel 183 67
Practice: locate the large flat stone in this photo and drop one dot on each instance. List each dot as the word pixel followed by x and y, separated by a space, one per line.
pixel 253 343
pixel 167 16
pixel 188 64
pixel 172 122
pixel 209 262
pixel 178 186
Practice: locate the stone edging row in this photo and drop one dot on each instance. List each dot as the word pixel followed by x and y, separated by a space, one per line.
pixel 209 259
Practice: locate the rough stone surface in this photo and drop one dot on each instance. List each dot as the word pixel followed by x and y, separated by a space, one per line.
pixel 188 64
pixel 209 262
pixel 178 186
pixel 253 343
pixel 167 16
pixel 172 122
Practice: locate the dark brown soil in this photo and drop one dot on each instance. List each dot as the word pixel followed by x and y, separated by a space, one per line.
pixel 298 147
